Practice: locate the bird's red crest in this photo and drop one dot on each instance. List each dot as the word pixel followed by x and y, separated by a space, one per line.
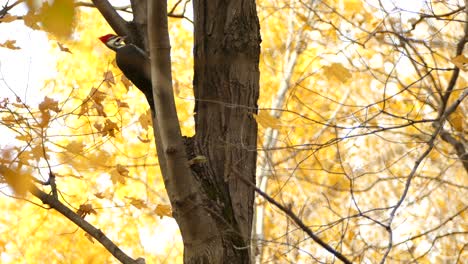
pixel 105 38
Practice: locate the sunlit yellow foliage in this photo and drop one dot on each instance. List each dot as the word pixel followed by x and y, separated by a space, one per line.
pixel 96 133
pixel 347 107
pixel 346 110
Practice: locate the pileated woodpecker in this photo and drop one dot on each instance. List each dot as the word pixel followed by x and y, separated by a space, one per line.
pixel 134 63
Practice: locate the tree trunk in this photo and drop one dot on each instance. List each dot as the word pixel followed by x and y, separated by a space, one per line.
pixel 226 88
pixel 210 202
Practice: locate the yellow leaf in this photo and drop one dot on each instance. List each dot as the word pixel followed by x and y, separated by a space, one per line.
pixel 85 209
pixel 144 140
pixel 126 82
pixel 121 104
pixel 109 78
pixel 83 109
pixel 49 104
pixel 89 237
pixel 99 108
pixel 9 119
pixel 110 128
pixel 30 20
pixel 97 95
pixel 26 138
pixel 38 152
pixel 353 6
pixel 302 18
pixel 63 48
pixel 145 120
pixel 163 210
pixel 200 159
pixel 116 177
pixel 461 61
pixel 138 203
pixel 457 120
pixel 45 119
pixel 103 195
pixel 122 170
pixel 266 120
pixel 338 71
pixel 75 147
pixel 58 18
pixel 20 183
pixel 10 44
pixel 8 18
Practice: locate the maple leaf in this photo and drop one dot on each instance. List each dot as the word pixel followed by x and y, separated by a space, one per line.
pixel 109 78
pixel 110 128
pixel 266 120
pixel 97 95
pixel 8 18
pixel 9 119
pixel 461 61
pixel 163 210
pixel 30 20
pixel 98 127
pixel 126 82
pixel 100 195
pixel 38 152
pixel 25 138
pixel 104 195
pixel 84 108
pixel 89 237
pixel 144 140
pixel 145 120
pixel 45 119
pixel 63 48
pixel 138 203
pixel 85 209
pixel 57 18
pixel 100 109
pixel 49 104
pixel 10 44
pixel 75 147
pixel 121 104
pixel 122 170
pixel 116 177
pixel 20 183
pixel 337 71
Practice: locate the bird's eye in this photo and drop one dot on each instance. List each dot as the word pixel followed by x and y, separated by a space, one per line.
pixel 119 40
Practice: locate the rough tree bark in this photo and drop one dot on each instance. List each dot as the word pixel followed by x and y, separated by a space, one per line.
pixel 226 88
pixel 211 204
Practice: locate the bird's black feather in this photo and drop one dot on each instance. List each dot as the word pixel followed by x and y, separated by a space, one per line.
pixel 136 66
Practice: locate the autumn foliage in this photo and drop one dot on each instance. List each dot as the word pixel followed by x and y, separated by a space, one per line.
pixel 362 135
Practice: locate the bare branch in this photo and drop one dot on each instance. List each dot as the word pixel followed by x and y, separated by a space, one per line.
pixel 298 222
pixel 83 224
pixel 7 7
pixel 118 24
pixel 125 8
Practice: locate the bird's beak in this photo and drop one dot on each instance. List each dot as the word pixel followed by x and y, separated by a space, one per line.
pixel 123 38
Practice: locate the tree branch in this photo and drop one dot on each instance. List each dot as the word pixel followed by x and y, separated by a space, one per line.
pixel 181 186
pixel 125 8
pixel 83 224
pixel 298 222
pixel 447 137
pixel 118 24
pixel 7 7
